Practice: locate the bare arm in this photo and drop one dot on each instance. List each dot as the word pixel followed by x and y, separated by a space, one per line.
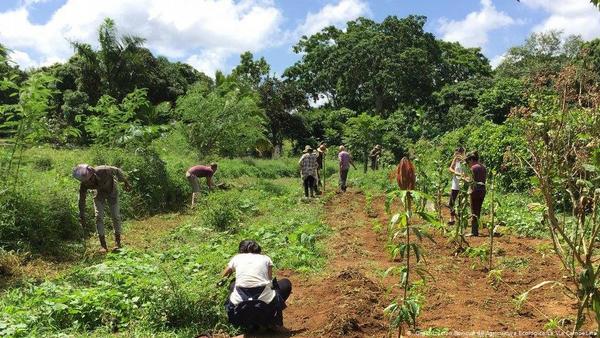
pixel 227 272
pixel 209 182
pixel 270 272
pixel 451 168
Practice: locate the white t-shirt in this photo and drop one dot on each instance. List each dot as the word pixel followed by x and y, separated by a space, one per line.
pixel 455 182
pixel 252 270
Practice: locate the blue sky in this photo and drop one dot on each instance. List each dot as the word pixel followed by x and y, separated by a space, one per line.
pixel 210 34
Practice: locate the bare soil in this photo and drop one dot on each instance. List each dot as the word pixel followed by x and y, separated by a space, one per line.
pixel 348 299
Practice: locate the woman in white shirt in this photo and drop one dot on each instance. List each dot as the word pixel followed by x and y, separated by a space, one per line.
pixel 457 170
pixel 256 299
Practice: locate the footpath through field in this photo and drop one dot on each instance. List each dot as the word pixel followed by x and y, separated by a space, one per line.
pixel 348 299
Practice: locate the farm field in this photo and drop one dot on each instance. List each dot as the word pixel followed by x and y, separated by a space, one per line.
pixel 333 248
pixel 328 168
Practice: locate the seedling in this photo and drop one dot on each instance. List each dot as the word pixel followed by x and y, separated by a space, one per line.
pixel 405 309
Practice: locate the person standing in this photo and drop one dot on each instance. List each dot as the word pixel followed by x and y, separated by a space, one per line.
pixel 345 160
pixel 103 179
pixel 321 150
pixel 197 171
pixel 457 171
pixel 308 171
pixel 374 156
pixel 476 190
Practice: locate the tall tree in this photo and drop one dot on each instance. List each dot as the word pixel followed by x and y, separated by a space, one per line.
pixel 370 66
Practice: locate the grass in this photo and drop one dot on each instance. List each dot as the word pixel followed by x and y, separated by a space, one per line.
pixel 164 283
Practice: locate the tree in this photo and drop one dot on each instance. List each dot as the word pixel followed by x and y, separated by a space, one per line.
pixel 122 65
pixel 281 101
pixel 370 66
pixel 251 71
pixel 361 133
pixel 543 54
pixel 460 64
pixel 496 102
pixel 227 123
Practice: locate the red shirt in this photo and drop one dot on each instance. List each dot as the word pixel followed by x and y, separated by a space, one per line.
pixel 479 175
pixel 201 171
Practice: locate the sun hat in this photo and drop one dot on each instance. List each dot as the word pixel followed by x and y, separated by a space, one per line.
pixel 378 146
pixel 307 149
pixel 82 172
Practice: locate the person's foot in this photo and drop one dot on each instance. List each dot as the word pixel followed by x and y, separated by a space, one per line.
pixel 278 329
pixel 472 235
pixel 451 222
pixel 116 249
pixel 102 250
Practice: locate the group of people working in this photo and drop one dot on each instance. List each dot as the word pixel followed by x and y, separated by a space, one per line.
pixel 311 168
pixel 256 298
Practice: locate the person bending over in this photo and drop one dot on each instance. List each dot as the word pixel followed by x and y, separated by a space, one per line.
pixel 103 179
pixel 256 299
pixel 200 171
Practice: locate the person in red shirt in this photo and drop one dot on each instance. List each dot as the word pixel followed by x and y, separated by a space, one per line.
pixel 200 171
pixel 477 189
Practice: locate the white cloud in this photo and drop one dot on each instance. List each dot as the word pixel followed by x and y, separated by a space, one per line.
pixel 192 29
pixel 473 30
pixel 338 14
pixel 573 17
pixel 208 62
pixel 497 60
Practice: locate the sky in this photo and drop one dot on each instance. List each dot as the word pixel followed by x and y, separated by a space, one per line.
pixel 211 34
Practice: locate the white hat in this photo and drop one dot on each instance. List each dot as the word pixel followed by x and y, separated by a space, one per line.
pixel 82 172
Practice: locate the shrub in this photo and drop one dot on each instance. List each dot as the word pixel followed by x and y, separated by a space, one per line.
pixel 155 187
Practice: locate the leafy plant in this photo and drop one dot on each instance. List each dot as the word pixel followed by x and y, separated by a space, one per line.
pixel 405 309
pixel 563 150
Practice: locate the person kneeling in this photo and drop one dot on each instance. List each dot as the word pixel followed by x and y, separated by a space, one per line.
pixel 256 299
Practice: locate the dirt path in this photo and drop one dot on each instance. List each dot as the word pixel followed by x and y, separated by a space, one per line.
pixel 348 299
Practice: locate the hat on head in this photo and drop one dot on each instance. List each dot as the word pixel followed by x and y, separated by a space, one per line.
pixel 82 172
pixel 307 149
pixel 378 146
pixel 342 148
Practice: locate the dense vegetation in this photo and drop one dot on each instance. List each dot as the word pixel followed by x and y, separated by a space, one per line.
pixel 533 119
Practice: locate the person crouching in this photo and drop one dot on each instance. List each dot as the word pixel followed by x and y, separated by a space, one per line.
pixel 256 299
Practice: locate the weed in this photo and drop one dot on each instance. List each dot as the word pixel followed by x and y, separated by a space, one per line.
pixel 480 252
pixel 514 263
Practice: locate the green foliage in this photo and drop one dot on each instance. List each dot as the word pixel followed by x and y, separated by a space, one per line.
pixel 361 133
pixel 369 66
pixel 230 124
pixel 171 291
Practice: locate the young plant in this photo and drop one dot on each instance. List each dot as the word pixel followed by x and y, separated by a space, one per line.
pixel 405 309
pixel 463 216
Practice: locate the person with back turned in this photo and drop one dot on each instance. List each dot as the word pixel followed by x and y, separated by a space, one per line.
pixel 476 190
pixel 103 179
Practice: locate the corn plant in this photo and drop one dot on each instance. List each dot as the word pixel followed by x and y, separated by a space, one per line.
pixel 463 216
pixel 405 309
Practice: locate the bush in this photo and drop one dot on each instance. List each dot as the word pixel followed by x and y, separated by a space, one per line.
pixel 222 213
pixel 155 187
pixel 500 147
pixel 38 218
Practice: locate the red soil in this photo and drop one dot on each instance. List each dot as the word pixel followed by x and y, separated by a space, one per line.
pixel 348 299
